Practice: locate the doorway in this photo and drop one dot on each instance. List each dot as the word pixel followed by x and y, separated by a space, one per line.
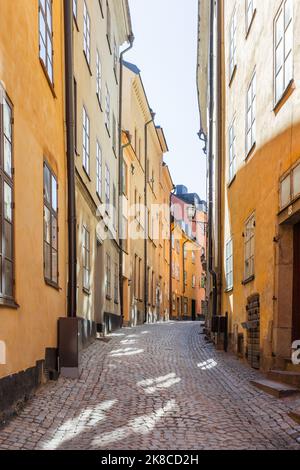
pixel 193 310
pixel 296 284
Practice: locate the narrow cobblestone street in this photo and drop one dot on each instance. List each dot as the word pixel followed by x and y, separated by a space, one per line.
pixel 154 387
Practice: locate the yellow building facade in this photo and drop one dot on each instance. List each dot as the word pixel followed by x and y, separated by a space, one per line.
pixel 33 188
pixel 145 208
pixel 260 155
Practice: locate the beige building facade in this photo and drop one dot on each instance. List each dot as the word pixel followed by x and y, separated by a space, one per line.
pixel 99 30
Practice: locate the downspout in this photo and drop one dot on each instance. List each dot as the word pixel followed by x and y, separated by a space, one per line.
pixel 171 258
pixel 183 266
pixel 69 90
pixel 146 218
pixel 210 159
pixel 220 147
pixel 120 185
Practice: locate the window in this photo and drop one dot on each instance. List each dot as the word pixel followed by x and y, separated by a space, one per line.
pixel 114 134
pixel 174 302
pixel 232 155
pixel 283 49
pixel 108 26
pixel 229 265
pixel 98 77
pixel 99 170
pixel 185 278
pixel 116 284
pixel 107 109
pixel 46 36
pixel 290 186
pixel 75 116
pixel 50 227
pixel 249 247
pixel 6 208
pixel 140 279
pixel 108 276
pixel 107 187
pixel 86 142
pixel 75 9
pixel 86 33
pixel 232 44
pixel 125 233
pixel 124 178
pixel 185 305
pixel 251 115
pixel 203 281
pixel 250 10
pixel 193 281
pixel 86 258
pixel 116 59
pixel 173 240
pixel 114 207
pixel 136 277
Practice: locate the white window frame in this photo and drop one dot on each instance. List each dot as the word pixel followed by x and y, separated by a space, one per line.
pixel 107 187
pixel 232 44
pixel 229 264
pixel 231 152
pixel 251 115
pixel 249 241
pixel 86 141
pixel 250 11
pixel 99 187
pixel 86 33
pixel 46 37
pixel 283 62
pixel 107 109
pixel 98 77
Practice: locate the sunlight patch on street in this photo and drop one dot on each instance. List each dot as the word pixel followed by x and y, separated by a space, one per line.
pixel 209 364
pixel 126 352
pixel 153 385
pixel 140 425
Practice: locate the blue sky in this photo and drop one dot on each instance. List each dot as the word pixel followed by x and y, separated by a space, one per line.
pixel 165 50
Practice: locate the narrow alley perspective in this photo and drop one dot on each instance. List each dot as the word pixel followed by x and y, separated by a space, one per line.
pixel 154 387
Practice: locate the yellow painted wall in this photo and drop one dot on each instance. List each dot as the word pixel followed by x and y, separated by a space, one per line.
pixel 38 134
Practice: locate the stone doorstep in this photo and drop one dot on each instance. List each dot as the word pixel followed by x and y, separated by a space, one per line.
pixel 277 389
pixel 295 415
pixel 287 377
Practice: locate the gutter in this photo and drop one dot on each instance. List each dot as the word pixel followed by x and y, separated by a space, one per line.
pixel 210 159
pixel 120 151
pixel 71 209
pixel 146 218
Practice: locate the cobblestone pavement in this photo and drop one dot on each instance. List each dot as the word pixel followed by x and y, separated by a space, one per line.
pixel 154 387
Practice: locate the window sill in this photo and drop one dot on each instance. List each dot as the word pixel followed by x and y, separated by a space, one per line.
pixel 232 76
pixel 248 280
pixel 53 285
pixel 8 303
pixel 250 152
pixel 87 63
pixel 99 102
pixel 229 184
pixel 86 291
pixel 228 290
pixel 250 25
pixel 285 96
pixel 50 83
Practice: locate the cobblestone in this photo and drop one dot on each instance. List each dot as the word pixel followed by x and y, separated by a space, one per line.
pixel 154 387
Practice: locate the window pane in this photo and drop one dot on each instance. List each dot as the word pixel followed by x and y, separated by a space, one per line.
pixel 7 157
pixel 46 183
pixel 279 85
pixel 54 266
pixel 7 240
pixel 288 12
pixel 279 57
pixel 8 278
pixel 288 69
pixel 47 225
pixel 54 232
pixel 54 193
pixel 7 202
pixel 47 260
pixel 296 180
pixel 7 120
pixel 279 29
pixel 288 46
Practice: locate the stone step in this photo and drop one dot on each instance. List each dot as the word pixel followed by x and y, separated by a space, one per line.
pixel 284 376
pixel 278 390
pixel 295 415
pixel 290 367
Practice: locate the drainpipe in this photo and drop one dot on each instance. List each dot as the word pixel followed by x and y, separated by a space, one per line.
pixel 69 85
pixel 146 217
pixel 210 159
pixel 120 184
pixel 219 120
pixel 68 327
pixel 171 258
pixel 183 265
